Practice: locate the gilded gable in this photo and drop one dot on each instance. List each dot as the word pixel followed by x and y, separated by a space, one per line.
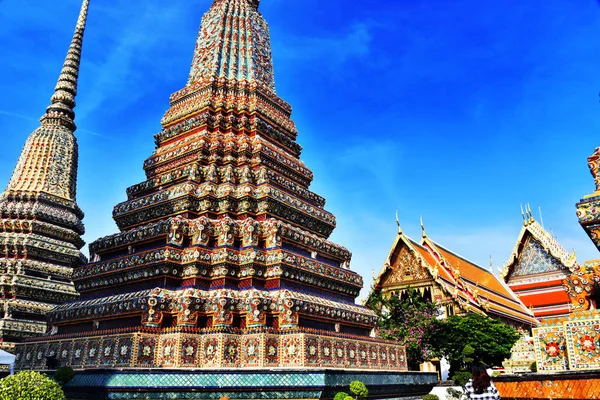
pixel 405 267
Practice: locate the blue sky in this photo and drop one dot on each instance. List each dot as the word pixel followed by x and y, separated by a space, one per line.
pixel 457 111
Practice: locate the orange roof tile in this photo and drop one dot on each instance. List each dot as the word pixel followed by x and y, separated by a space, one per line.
pixel 485 284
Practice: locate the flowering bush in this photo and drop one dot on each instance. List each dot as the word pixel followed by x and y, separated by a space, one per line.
pixel 410 320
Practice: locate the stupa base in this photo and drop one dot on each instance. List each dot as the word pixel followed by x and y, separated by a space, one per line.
pixel 244 384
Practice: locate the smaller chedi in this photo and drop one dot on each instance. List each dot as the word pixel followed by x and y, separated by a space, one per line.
pixel 40 222
pixel 522 356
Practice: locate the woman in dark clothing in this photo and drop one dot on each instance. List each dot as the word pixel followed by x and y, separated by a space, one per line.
pixel 480 386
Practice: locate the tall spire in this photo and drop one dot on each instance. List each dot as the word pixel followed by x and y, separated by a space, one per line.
pixel 60 111
pixel 40 222
pixel 48 162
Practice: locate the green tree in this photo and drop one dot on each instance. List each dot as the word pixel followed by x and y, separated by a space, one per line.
pixel 463 339
pixel 30 385
pixel 410 320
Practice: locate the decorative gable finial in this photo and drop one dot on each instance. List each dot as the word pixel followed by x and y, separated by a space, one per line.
pixel 422 227
pixel 398 223
pixel 523 215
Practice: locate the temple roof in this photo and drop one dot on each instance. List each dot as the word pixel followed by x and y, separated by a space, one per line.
pixel 474 288
pixel 533 236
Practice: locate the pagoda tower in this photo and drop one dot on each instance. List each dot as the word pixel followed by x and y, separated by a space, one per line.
pixel 223 258
pixel 40 225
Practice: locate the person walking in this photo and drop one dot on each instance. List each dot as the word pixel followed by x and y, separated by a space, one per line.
pixel 480 386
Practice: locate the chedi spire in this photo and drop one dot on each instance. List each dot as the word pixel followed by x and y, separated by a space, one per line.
pixel 62 103
pixel 233 45
pixel 40 222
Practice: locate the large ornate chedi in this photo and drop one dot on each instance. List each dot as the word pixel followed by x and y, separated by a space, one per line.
pixel 40 222
pixel 222 259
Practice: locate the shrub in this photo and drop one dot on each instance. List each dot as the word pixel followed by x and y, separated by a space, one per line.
pixel 431 397
pixel 461 377
pixel 64 375
pixel 30 385
pixel 533 366
pixel 452 393
pixel 340 396
pixel 359 389
pixel 348 398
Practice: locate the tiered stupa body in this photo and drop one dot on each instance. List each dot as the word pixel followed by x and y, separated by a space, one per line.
pixel 223 247
pixel 40 222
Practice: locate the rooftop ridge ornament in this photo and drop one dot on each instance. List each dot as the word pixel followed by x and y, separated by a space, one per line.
pixel 62 103
pixel 398 223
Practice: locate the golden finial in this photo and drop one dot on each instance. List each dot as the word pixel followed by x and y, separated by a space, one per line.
pixel 529 214
pixel 523 215
pixel 398 223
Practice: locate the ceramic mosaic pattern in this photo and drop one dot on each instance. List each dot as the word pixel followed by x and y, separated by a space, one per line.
pixel 146 351
pixel 212 352
pixel 168 350
pixel 189 351
pixel 92 353
pixel 583 344
pixel 545 388
pixel 79 353
pixel 550 348
pixel 250 384
pixel 291 350
pixel 108 351
pixel 271 351
pixel 252 349
pixel 534 259
pixel 124 351
pixel 244 33
pixel 183 350
pixel 231 350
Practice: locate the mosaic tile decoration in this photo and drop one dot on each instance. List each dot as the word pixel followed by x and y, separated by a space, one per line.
pixel 583 344
pixel 550 348
pixel 218 350
pixel 535 259
pixel 545 388
pixel 251 384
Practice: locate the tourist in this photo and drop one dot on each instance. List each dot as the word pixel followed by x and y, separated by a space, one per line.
pixel 480 386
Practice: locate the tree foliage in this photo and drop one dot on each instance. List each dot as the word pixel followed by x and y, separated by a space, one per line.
pixel 463 339
pixel 63 375
pixel 410 320
pixel 340 396
pixel 30 385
